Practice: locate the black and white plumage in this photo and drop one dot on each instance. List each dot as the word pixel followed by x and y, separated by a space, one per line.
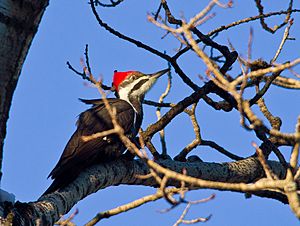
pixel 131 88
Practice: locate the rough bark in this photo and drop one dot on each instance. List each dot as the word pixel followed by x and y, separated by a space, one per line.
pixel 49 208
pixel 19 21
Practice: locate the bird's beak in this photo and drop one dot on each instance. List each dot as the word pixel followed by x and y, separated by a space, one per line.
pixel 156 75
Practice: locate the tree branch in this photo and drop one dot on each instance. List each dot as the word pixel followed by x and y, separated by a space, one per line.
pixel 49 208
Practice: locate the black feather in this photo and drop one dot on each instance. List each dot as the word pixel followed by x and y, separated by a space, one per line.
pixel 79 155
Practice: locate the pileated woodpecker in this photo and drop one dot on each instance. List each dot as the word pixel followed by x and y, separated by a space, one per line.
pixel 130 87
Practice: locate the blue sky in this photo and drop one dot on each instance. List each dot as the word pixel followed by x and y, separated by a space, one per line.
pixel 45 105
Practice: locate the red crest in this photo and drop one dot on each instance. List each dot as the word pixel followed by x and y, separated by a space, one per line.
pixel 120 77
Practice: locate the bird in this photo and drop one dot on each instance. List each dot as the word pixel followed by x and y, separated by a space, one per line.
pixel 130 88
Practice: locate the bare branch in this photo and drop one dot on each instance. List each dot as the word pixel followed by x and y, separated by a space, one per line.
pixel 132 205
pixel 284 39
pixel 158 113
pixel 276 27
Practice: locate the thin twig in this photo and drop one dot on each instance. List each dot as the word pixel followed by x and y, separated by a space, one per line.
pixel 276 27
pixel 283 40
pixel 132 205
pixel 158 113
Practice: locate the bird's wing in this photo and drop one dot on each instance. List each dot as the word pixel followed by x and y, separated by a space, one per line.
pixel 78 154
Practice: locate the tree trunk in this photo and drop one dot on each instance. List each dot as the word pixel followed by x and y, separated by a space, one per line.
pixel 19 21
